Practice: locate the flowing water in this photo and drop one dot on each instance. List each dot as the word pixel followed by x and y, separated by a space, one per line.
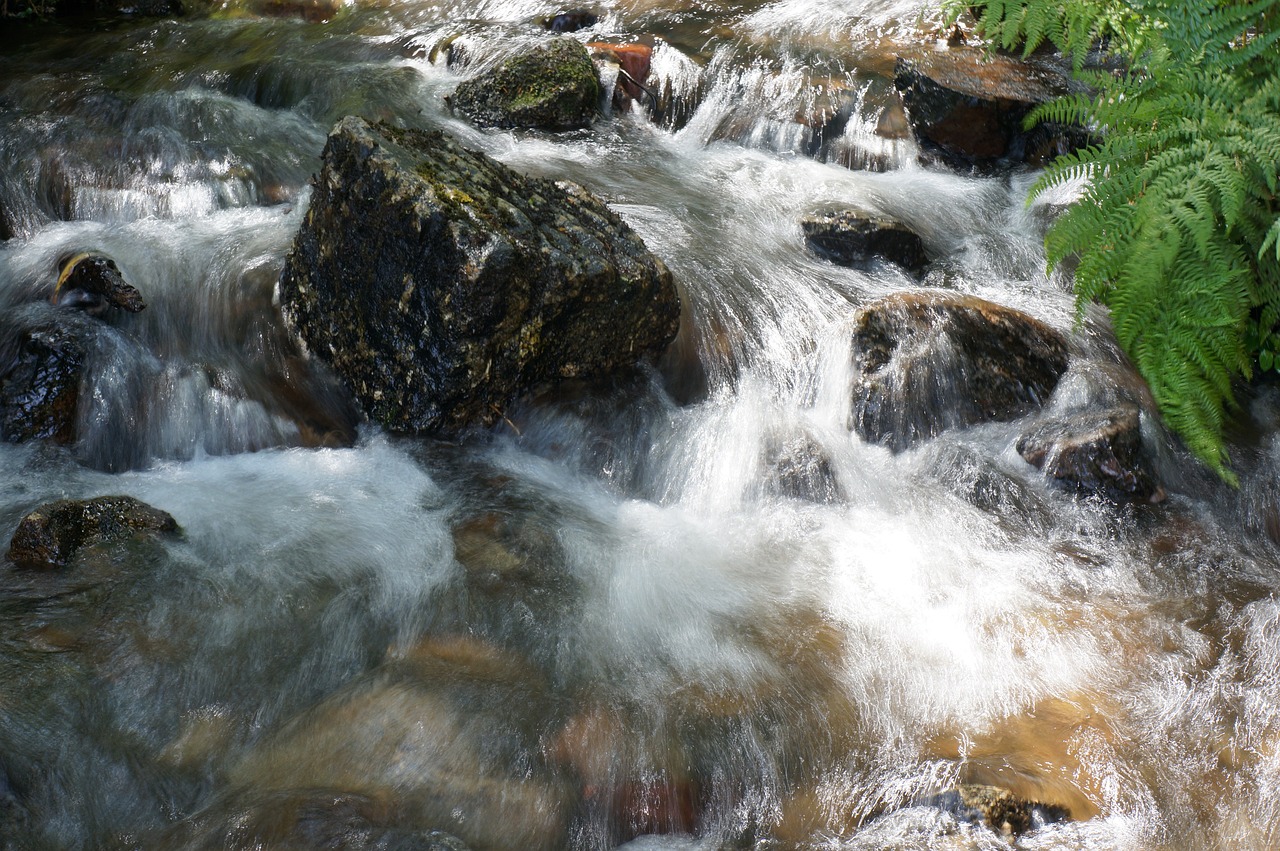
pixel 614 618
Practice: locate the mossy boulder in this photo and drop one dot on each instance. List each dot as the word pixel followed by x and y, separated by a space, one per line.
pixel 552 86
pixel 929 361
pixel 441 285
pixel 52 535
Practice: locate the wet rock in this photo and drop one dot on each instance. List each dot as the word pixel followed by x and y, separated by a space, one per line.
pixel 440 284
pixel 93 283
pixel 550 86
pixel 571 21
pixel 799 468
pixel 41 368
pixel 633 62
pixel 967 108
pixel 6 229
pixel 52 535
pixel 997 808
pixel 850 238
pixel 1095 452
pixel 925 362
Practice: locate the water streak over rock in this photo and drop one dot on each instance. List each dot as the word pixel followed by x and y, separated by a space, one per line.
pixel 1095 452
pixel 926 362
pixel 441 285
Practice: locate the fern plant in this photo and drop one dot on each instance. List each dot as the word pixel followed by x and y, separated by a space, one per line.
pixel 1178 228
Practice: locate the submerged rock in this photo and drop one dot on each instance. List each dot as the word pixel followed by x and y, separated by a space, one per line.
pixel 967 107
pixel 440 284
pixel 551 86
pixel 446 738
pixel 850 238
pixel 925 362
pixel 93 283
pixel 998 809
pixel 53 534
pixel 302 819
pixel 1095 452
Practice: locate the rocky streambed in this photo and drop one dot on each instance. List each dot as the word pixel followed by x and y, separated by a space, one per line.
pixel 501 425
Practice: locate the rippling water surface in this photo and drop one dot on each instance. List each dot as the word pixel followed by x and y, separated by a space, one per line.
pixel 612 618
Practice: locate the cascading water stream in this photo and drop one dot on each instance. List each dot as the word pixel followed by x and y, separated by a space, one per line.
pixel 624 614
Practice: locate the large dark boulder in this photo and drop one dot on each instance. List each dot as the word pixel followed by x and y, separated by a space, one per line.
pixel 1094 452
pixel 925 362
pixel 850 238
pixel 552 86
pixel 52 535
pixel 440 284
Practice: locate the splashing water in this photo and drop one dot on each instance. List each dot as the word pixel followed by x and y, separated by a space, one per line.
pixel 613 618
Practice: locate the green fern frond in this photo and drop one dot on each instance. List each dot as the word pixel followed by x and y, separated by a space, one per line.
pixel 1177 225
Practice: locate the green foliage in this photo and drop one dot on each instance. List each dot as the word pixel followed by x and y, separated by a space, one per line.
pixel 1178 227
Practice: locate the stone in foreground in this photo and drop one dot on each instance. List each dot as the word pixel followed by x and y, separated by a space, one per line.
pixel 550 86
pixel 440 284
pixel 1094 452
pixel 926 362
pixel 52 535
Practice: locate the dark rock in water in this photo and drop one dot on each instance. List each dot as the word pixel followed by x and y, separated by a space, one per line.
pixel 998 809
pixel 93 283
pixel 967 108
pixel 52 535
pixel 551 86
pixel 853 239
pixel 572 21
pixel 440 284
pixel 1096 452
pixel 925 362
pixel 40 373
pixel 6 229
pixel 799 468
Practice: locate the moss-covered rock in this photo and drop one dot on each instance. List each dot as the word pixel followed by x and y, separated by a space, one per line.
pixel 440 284
pixel 52 535
pixel 552 85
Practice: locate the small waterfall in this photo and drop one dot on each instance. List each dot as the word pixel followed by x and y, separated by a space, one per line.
pixel 696 610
